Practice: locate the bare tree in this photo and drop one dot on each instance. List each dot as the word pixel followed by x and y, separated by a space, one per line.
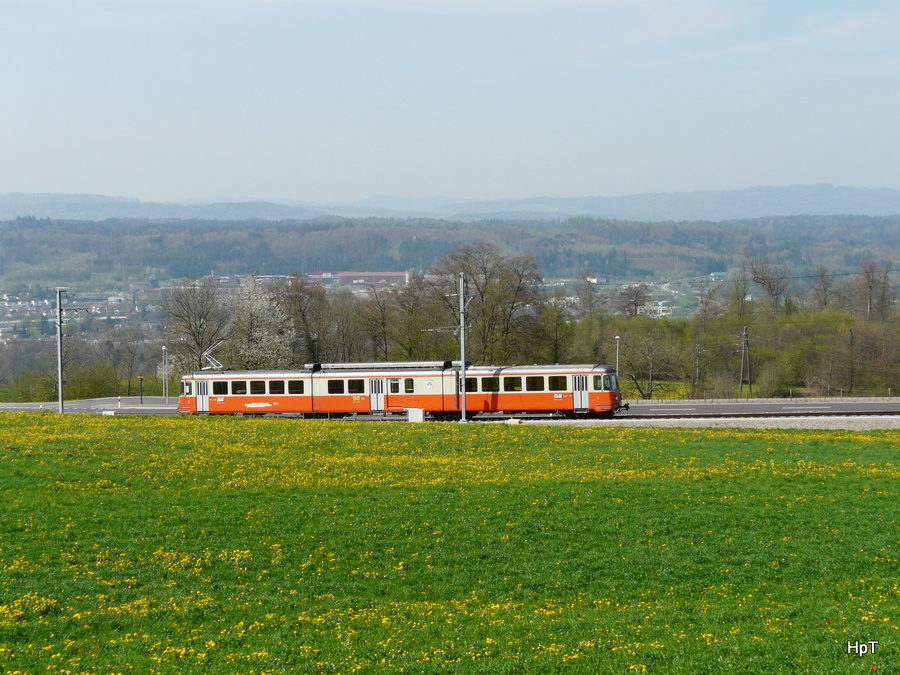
pixel 125 346
pixel 195 320
pixel 739 304
pixel 421 329
pixel 774 281
pixel 348 337
pixel 822 288
pixel 307 307
pixel 504 290
pixel 379 315
pixel 553 330
pixel 330 326
pixel 706 303
pixel 591 315
pixel 647 359
pixel 876 289
pixel 587 296
pixel 630 299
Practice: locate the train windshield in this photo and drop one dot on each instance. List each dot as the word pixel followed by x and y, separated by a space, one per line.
pixel 606 383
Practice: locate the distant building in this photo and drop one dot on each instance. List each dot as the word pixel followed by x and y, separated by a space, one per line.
pixel 359 278
pixel 656 310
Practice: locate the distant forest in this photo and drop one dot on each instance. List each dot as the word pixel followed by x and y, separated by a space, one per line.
pixel 96 253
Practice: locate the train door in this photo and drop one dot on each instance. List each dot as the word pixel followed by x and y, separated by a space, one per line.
pixel 580 390
pixel 376 394
pixel 202 396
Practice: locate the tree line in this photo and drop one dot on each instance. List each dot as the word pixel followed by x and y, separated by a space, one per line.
pixel 822 334
pixel 760 332
pixel 95 253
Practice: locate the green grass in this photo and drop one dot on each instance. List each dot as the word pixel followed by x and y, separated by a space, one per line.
pixel 266 546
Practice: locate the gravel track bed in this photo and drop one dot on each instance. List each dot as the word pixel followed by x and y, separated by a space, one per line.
pixel 846 423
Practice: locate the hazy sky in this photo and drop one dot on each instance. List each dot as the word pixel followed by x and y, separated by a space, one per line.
pixel 339 100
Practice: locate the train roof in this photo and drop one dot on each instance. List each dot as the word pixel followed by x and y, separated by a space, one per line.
pixel 537 368
pixel 396 368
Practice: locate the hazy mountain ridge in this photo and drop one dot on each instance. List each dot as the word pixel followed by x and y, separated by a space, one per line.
pixel 753 202
pixel 64 252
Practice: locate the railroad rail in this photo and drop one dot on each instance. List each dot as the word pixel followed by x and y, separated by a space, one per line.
pixel 639 412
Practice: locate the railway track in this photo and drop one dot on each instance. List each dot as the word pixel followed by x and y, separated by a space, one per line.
pixel 858 414
pixel 845 420
pixel 760 415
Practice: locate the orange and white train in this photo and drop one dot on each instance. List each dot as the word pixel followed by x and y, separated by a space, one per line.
pixel 433 387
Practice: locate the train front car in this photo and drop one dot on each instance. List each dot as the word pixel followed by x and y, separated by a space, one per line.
pixel 569 390
pixel 604 397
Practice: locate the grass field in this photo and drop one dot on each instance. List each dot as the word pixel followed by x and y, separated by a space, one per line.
pixel 142 545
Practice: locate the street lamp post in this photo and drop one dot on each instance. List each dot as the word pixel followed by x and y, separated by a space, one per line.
pixel 617 355
pixel 165 374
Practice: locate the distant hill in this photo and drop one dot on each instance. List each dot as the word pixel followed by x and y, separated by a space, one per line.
pixel 756 202
pixel 99 207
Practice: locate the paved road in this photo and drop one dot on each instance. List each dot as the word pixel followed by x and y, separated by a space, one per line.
pixel 125 405
pixel 812 406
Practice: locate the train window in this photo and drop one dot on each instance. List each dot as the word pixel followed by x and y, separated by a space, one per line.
pixel 257 387
pixel 490 384
pixel 356 386
pixel 534 383
pixel 276 387
pixel 238 388
pixel 512 383
pixel 335 386
pixel 295 386
pixel 185 388
pixel 471 384
pixel 557 383
pixel 394 386
pixel 220 388
pixel 606 383
pixel 409 385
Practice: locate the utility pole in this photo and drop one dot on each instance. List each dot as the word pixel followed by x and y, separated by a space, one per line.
pixel 749 362
pixel 745 358
pixel 850 390
pixel 61 320
pixel 461 329
pixel 59 350
pixel 463 304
